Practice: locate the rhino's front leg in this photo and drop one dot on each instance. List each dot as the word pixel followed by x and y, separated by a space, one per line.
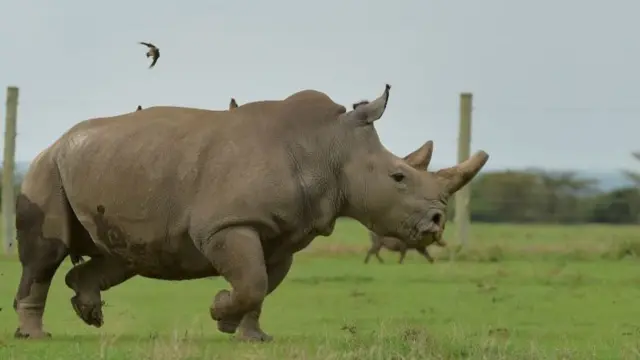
pixel 249 329
pixel 424 252
pixel 236 253
pixel 88 279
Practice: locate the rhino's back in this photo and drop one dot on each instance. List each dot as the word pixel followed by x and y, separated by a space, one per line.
pixel 150 170
pixel 41 167
pixel 151 144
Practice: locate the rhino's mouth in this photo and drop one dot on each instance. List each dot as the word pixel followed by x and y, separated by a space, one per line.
pixel 424 228
pixel 433 239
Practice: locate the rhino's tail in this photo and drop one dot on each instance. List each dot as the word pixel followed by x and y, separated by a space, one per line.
pixel 76 259
pixel 72 229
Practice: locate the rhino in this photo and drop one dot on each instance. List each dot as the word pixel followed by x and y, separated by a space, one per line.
pixel 176 193
pixel 394 244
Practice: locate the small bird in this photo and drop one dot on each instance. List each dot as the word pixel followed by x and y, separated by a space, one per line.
pixel 233 104
pixel 139 108
pixel 153 51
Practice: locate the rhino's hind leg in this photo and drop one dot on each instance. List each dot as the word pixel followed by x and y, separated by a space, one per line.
pixel 403 253
pixel 88 279
pixel 236 253
pixel 40 258
pixel 38 270
pixel 249 329
pixel 374 250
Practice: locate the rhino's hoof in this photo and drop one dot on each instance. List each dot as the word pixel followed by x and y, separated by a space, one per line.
pixel 253 335
pixel 90 313
pixel 32 335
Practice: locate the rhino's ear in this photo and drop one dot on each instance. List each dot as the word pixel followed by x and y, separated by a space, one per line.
pixel 363 102
pixel 233 104
pixel 367 112
pixel 460 175
pixel 139 108
pixel 421 158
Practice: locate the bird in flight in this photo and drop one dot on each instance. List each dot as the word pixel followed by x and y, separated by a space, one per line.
pixel 153 51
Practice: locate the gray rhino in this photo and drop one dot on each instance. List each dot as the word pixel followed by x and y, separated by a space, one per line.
pixel 180 193
pixel 394 244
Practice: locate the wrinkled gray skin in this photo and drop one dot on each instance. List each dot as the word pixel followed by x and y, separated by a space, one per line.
pixel 76 259
pixel 419 159
pixel 179 193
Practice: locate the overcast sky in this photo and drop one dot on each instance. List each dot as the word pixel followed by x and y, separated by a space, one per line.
pixel 555 82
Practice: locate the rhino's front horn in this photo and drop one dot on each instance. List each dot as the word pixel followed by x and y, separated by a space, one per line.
pixel 458 176
pixel 370 112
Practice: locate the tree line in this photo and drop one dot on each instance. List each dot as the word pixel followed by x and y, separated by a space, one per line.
pixel 539 196
pixel 564 197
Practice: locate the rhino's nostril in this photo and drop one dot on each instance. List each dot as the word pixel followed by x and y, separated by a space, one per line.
pixel 432 223
pixel 436 218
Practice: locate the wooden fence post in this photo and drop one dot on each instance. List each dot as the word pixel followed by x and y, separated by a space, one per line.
pixel 462 218
pixel 8 169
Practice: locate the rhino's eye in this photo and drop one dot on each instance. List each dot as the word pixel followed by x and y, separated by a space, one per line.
pixel 397 177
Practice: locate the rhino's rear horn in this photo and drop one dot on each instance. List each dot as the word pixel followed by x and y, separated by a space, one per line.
pixel 458 176
pixel 369 112
pixel 421 158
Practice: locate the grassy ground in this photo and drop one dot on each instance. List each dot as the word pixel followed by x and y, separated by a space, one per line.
pixel 520 292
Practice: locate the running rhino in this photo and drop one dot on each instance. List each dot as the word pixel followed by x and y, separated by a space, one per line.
pixel 178 193
pixel 394 244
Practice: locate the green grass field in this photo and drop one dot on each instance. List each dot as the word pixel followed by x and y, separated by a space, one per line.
pixel 518 292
